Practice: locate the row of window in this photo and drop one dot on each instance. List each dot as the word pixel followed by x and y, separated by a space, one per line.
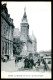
pixel 5 47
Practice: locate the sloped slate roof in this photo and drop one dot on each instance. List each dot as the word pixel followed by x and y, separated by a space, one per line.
pixel 29 39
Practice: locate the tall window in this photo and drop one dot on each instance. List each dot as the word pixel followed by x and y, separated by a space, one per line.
pixel 8 48
pixel 5 48
pixel 2 47
pixel 4 30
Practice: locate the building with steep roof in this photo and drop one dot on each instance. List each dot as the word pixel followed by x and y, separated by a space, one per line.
pixel 7 28
pixel 30 43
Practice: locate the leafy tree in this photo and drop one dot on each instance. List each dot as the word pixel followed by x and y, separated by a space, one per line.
pixel 17 46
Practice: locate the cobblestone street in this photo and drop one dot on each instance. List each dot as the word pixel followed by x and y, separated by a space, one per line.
pixel 10 66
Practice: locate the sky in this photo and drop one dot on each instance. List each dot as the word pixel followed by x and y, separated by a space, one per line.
pixel 39 19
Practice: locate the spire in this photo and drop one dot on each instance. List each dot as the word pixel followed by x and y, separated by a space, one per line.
pixel 25 13
pixel 33 37
pixel 25 10
pixel 24 19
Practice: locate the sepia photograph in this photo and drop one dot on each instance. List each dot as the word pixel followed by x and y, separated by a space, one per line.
pixel 26 39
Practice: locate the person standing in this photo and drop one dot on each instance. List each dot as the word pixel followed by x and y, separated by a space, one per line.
pixel 31 63
pixel 26 63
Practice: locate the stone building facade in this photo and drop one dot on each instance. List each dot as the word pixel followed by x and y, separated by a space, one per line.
pixel 30 44
pixel 7 29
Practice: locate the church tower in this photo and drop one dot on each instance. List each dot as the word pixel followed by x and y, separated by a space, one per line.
pixel 24 33
pixel 24 27
pixel 28 43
